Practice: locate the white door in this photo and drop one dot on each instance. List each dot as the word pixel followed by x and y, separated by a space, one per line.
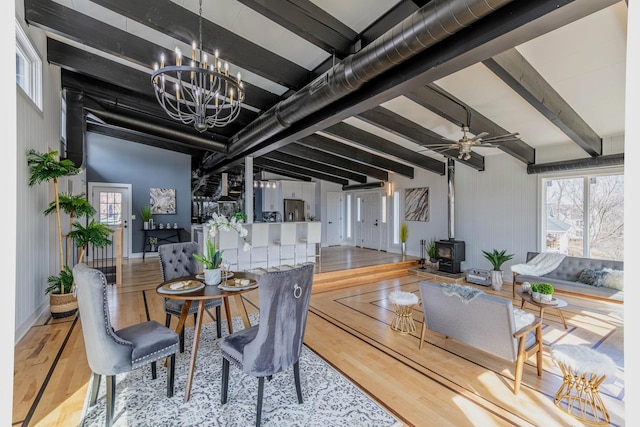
pixel 370 218
pixel 112 203
pixel 334 218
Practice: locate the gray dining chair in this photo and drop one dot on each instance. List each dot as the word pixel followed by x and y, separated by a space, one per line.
pixel 275 343
pixel 176 261
pixel 111 352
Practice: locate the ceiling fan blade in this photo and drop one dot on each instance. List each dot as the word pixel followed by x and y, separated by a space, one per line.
pixel 511 136
pixel 478 136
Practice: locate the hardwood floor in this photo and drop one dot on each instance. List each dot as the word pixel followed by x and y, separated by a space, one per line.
pixel 443 384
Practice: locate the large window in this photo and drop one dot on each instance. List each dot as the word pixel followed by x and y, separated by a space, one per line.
pixel 28 67
pixel 396 217
pixel 585 215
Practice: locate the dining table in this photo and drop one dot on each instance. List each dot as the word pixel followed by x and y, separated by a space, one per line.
pixel 192 289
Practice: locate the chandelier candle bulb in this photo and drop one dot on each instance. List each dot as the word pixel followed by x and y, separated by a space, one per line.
pixel 226 69
pixel 193 51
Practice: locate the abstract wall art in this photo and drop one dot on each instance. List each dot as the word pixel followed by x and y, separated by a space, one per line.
pixel 162 200
pixel 416 204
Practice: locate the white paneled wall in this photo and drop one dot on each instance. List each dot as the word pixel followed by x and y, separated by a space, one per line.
pixel 36 240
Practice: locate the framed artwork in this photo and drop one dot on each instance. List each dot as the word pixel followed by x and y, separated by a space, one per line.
pixel 162 200
pixel 416 204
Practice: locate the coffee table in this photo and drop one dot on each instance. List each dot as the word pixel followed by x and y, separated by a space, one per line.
pixel 527 298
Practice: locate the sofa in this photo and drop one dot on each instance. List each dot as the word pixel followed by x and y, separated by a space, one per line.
pixel 485 322
pixel 586 277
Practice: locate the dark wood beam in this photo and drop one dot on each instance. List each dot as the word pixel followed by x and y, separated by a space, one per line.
pixel 331 146
pixel 520 76
pixel 298 150
pixel 446 105
pixel 284 169
pixel 310 164
pixel 175 21
pixel 308 21
pixel 368 140
pixel 405 128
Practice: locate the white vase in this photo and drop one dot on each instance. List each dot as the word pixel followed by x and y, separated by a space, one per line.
pixel 145 225
pixel 212 276
pixel 546 298
pixel 496 279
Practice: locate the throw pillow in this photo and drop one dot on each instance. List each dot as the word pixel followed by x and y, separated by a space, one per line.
pixel 614 279
pixel 592 277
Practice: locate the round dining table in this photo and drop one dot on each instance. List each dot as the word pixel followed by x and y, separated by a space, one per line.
pixel 201 295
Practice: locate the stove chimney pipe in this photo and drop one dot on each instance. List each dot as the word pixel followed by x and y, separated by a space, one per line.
pixel 451 171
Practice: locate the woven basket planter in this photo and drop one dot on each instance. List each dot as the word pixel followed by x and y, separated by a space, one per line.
pixel 62 305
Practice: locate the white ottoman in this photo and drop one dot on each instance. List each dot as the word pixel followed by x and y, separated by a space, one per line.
pixel 584 369
pixel 403 319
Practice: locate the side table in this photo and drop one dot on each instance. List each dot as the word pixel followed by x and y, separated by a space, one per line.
pixel 403 318
pixel 527 298
pixel 167 235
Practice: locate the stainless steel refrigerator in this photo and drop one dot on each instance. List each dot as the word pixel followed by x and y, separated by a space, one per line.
pixel 293 210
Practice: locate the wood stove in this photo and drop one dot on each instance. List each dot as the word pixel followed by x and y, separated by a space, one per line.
pixel 450 254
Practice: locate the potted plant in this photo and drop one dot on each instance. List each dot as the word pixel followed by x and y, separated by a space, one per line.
pixel 76 206
pixel 95 234
pixel 145 214
pixel 212 257
pixel 153 241
pixel 497 258
pixel 404 235
pixel 545 291
pixel 431 250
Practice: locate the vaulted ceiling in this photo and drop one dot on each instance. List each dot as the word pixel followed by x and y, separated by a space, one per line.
pixel 354 91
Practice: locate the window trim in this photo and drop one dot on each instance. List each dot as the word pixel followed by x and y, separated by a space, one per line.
pixel 33 62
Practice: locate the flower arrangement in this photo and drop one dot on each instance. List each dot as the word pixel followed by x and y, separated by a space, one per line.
pixel 153 241
pixel 212 257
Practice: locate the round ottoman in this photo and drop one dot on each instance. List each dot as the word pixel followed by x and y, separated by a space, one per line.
pixel 403 319
pixel 583 369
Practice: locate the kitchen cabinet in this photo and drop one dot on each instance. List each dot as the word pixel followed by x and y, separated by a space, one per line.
pixel 271 199
pixel 291 189
pixel 309 197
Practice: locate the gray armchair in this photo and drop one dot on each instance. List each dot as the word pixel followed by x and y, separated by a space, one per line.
pixel 111 352
pixel 176 260
pixel 275 343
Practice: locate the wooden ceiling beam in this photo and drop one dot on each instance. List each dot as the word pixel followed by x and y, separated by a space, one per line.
pixel 285 169
pixel 320 167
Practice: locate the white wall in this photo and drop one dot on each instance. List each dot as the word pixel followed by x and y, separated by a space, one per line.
pixel 36 249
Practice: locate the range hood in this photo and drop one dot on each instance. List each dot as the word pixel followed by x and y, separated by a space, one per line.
pixel 224 193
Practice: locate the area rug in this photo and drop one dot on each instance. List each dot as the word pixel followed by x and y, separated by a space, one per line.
pixel 329 398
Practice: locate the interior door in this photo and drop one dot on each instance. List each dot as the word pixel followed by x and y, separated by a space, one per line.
pixel 112 203
pixel 334 218
pixel 370 221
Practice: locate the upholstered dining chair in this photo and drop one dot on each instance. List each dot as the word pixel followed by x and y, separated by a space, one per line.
pixel 176 260
pixel 275 343
pixel 112 352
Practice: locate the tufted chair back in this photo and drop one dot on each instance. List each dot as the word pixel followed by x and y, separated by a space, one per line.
pixel 176 260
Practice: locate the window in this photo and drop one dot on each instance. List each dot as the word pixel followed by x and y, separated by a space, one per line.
pixel 384 209
pixel 349 215
pixel 110 208
pixel 28 67
pixel 585 215
pixel 396 217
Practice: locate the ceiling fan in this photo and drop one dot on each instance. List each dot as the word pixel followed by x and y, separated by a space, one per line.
pixel 466 143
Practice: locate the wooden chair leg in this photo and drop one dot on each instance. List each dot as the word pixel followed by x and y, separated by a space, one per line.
pixel 423 333
pixel 95 386
pixel 259 405
pixel 539 349
pixel 111 399
pixel 296 377
pixel 225 381
pixel 171 374
pixel 219 321
pixel 519 365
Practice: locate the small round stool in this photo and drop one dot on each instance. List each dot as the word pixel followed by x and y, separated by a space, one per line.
pixel 403 319
pixel 584 370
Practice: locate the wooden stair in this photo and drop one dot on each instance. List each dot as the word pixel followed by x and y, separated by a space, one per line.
pixel 323 282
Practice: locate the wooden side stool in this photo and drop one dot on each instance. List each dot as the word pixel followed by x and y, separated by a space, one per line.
pixel 583 369
pixel 403 319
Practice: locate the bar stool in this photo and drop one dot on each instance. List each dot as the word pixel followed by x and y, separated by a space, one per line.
pixel 583 369
pixel 229 240
pixel 287 238
pixel 314 238
pixel 259 238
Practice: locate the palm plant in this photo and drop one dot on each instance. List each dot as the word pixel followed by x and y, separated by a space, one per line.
pixel 94 233
pixel 63 281
pixel 45 167
pixel 76 206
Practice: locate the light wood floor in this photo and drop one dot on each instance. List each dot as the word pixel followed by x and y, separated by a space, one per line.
pixel 444 384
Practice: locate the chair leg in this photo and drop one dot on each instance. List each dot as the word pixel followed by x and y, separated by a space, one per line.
pixel 171 374
pixel 225 381
pixel 111 399
pixel 259 405
pixel 154 370
pixel 218 321
pixel 296 377
pixel 167 320
pixel 182 341
pixel 95 386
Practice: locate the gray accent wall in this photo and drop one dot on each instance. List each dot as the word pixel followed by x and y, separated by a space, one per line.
pixel 113 160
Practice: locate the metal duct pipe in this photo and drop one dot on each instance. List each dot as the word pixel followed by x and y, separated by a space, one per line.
pixel 611 160
pixel 180 136
pixel 451 197
pixel 432 23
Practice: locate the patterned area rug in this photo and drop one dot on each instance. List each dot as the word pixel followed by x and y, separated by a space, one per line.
pixel 329 398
